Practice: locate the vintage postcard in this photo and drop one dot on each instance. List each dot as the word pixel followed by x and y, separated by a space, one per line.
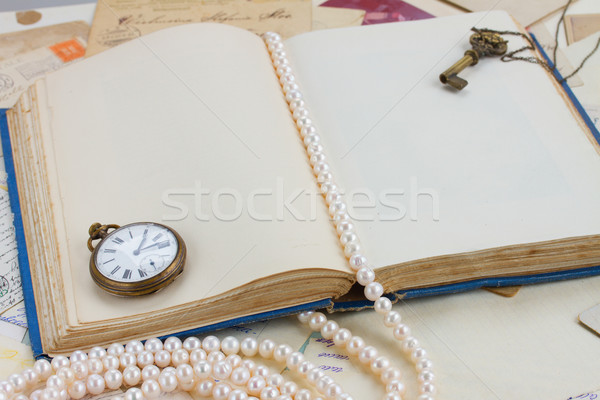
pixel 18 73
pixel 16 43
pixel 118 21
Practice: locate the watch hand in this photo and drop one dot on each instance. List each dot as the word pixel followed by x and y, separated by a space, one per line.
pixel 137 251
pixel 160 245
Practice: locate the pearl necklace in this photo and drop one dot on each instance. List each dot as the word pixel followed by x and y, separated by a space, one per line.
pixel 214 368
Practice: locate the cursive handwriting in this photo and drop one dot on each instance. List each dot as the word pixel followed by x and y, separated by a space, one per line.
pixel 280 13
pixel 327 342
pixel 223 16
pixel 140 19
pixel 334 355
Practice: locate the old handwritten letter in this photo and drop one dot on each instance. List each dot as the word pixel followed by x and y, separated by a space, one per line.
pixel 118 21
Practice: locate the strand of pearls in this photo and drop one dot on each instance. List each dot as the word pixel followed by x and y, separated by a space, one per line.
pixel 352 249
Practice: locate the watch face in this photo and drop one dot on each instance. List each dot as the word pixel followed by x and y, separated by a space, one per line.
pixel 136 252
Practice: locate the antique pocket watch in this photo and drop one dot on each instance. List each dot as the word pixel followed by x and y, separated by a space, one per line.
pixel 135 259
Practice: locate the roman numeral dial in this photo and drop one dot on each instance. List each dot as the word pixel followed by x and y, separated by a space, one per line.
pixel 137 255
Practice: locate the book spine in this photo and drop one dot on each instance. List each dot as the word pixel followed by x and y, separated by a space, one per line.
pixel 13 193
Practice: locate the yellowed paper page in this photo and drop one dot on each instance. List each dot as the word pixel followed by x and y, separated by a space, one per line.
pixel 580 26
pixel 190 130
pixel 332 17
pixel 429 171
pixel 14 357
pixel 118 21
pixel 526 13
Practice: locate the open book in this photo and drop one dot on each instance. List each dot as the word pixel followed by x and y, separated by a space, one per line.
pixel 188 127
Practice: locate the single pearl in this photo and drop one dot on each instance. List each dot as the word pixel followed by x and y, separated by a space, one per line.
pixel 249 347
pixel 132 375
pixel 352 248
pixel 304 368
pixel 325 176
pixel 287 78
pixel 428 388
pixel 237 394
pixel 392 318
pixel 80 369
pixel 78 355
pixel 266 347
pixel 365 275
pixel 281 352
pixel 261 370
pixel 202 369
pixel 293 94
pixel 134 346
pixel 18 382
pixel 240 376
pixel 417 354
pixel 172 343
pixel 66 374
pixel 115 349
pixel 211 343
pixel 357 261
pixel 409 343
pixel 329 329
pixel 303 394
pixel 355 345
pixel 162 358
pixel 32 377
pixel 56 382
pixel 303 317
pixel 340 217
pixel 43 368
pixel 59 362
pixel 151 389
pixel 295 103
pixel 311 138
pixel 396 386
pixel 299 112
pixel 293 360
pixel 150 372
pixel 167 381
pixel 275 46
pixel 36 395
pixel 197 355
pixel 180 356
pixel 184 373
pixel 77 390
pixel 192 343
pixel 426 376
pixel 345 237
pixel 255 385
pixel 234 360
pixel 113 379
pixel 317 321
pixel 316 158
pixel 111 362
pixel 383 305
pixel 367 354
pixel 290 86
pixel 392 396
pixel 391 374
pixel 310 130
pixel 269 393
pixel 341 337
pixel 204 388
pixel 289 388
pixel 423 364
pixel 345 226
pixel 145 358
pixel 275 380
pixel 333 390
pixel 95 384
pixel 222 370
pixel 380 364
pixel 134 394
pixel 230 345
pixel 373 291
pixel 401 331
pixel 95 366
pixel 153 345
pixel 97 352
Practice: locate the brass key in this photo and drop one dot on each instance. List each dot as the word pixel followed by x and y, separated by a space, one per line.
pixel 484 44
